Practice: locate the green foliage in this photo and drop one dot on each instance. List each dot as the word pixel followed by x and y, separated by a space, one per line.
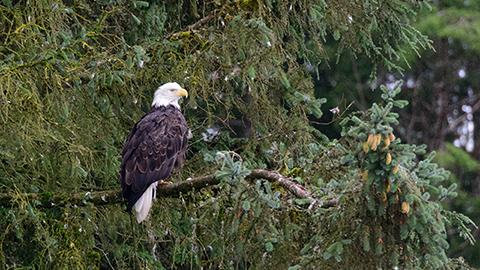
pixel 398 220
pixel 463 167
pixel 453 157
pixel 76 75
pixel 404 191
pixel 458 24
pixel 439 80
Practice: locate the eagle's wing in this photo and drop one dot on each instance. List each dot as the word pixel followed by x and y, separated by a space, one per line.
pixel 156 144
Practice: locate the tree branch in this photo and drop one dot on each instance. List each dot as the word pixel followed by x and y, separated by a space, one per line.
pixel 106 197
pixel 195 25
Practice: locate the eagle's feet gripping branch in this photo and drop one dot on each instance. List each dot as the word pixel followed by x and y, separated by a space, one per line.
pixel 164 183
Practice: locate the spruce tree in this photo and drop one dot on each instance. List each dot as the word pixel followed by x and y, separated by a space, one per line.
pixel 76 75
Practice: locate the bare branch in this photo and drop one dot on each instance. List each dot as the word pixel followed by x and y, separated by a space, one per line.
pixel 455 122
pixel 203 20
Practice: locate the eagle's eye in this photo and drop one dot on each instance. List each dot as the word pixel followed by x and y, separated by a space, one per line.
pixel 171 90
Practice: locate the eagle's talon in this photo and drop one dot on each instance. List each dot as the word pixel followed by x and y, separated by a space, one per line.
pixel 164 183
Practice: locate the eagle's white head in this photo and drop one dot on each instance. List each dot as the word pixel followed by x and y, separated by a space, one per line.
pixel 168 94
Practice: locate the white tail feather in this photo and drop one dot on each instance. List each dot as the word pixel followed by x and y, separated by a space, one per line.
pixel 144 204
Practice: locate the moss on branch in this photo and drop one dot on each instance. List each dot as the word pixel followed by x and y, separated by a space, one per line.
pixel 106 197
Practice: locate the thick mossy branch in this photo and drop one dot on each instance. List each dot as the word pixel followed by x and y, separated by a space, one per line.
pixel 48 200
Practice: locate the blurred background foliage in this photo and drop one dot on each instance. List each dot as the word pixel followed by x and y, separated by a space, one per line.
pixel 269 80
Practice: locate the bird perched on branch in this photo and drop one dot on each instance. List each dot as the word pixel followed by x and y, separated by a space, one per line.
pixel 155 147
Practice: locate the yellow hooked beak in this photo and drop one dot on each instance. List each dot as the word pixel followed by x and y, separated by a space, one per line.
pixel 182 92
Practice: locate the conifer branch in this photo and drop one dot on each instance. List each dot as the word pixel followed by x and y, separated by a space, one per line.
pixel 203 20
pixel 196 25
pixel 107 197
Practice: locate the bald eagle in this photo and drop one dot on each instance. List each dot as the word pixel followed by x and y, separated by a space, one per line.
pixel 155 147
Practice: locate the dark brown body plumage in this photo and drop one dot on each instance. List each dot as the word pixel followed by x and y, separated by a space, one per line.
pixel 156 145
